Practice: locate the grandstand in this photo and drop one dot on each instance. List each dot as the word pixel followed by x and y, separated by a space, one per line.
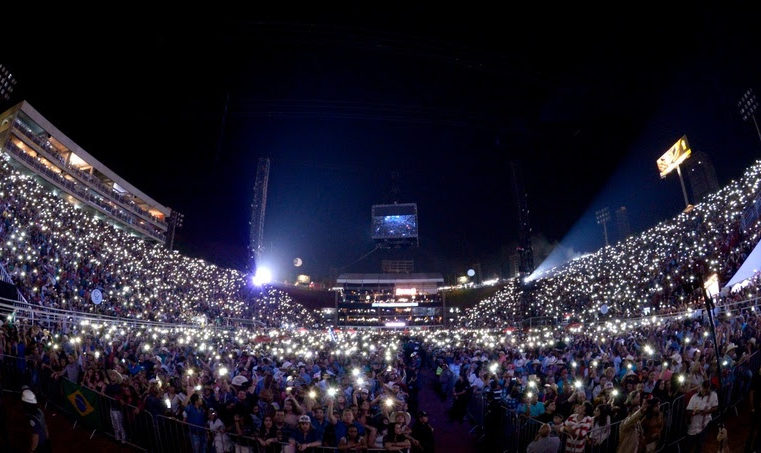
pixel 58 254
pixel 658 271
pixel 37 147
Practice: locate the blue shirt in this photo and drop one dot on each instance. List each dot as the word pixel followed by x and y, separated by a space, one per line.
pixel 535 410
pixel 319 427
pixel 305 438
pixel 195 416
pixel 342 428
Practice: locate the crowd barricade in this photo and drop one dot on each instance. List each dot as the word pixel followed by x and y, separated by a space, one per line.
pixel 475 410
pixel 603 439
pixel 527 429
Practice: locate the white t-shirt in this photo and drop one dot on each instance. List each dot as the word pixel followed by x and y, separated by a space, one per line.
pixel 700 403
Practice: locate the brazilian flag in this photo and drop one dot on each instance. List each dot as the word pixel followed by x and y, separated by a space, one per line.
pixel 84 401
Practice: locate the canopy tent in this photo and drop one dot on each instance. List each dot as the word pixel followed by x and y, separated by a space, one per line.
pixel 750 267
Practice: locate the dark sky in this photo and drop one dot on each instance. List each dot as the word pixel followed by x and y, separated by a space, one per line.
pixel 338 101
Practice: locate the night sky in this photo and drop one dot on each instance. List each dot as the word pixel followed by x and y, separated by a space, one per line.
pixel 339 101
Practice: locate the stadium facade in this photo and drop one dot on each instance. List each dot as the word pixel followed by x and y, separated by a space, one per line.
pixel 35 146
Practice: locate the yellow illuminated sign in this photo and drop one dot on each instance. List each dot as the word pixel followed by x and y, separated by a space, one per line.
pixel 674 156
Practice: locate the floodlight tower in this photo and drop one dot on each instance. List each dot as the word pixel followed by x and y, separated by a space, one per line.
pixel 7 83
pixel 176 220
pixel 258 209
pixel 748 104
pixel 520 197
pixel 603 217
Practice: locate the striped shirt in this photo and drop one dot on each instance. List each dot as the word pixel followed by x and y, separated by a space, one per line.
pixel 577 427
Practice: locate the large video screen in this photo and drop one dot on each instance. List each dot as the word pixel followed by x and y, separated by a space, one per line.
pixel 395 221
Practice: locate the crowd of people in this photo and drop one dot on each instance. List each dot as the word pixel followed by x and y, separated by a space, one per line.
pixel 58 254
pixel 240 389
pixel 604 369
pixel 659 270
pixel 360 389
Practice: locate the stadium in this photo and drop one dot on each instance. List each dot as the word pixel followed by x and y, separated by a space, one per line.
pixel 118 334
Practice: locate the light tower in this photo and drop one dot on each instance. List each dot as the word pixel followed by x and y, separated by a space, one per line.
pixel 176 220
pixel 520 197
pixel 258 209
pixel 603 217
pixel 7 83
pixel 748 104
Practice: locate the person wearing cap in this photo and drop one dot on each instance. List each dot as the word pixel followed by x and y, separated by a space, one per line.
pixel 730 356
pixel 304 437
pixel 422 434
pixel 40 437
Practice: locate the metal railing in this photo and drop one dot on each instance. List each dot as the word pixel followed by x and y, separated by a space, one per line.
pixel 49 317
pixel 20 301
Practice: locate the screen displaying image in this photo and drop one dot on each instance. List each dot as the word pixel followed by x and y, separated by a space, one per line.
pixel 395 226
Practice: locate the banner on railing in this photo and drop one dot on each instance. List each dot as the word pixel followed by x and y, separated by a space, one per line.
pixel 84 402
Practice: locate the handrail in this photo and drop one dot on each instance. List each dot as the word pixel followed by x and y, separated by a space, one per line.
pixel 9 279
pixel 57 314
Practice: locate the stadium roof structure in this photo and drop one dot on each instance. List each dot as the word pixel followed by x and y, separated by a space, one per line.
pixel 430 277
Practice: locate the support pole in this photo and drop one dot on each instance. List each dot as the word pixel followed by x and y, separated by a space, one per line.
pixel 709 307
pixel 684 189
pixel 755 123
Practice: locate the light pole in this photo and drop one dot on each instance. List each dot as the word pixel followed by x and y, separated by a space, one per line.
pixel 684 189
pixel 603 217
pixel 175 221
pixel 748 104
pixel 709 306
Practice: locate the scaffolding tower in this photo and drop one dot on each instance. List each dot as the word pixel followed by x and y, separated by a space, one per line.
pixel 258 209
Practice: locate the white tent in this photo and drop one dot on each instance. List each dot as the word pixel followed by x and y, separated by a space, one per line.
pixel 750 267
